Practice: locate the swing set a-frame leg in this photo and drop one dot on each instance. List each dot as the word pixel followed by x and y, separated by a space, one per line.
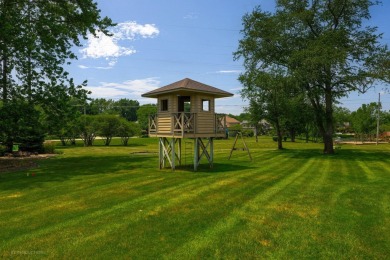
pixel 234 146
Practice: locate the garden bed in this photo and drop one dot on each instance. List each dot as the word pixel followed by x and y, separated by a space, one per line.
pixel 10 164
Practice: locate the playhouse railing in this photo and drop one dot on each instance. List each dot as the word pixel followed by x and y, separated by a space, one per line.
pixel 184 122
pixel 220 123
pixel 153 124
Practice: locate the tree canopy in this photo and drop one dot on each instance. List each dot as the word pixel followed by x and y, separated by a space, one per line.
pixel 143 114
pixel 36 37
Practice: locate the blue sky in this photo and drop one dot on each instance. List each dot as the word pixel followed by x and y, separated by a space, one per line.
pixel 158 42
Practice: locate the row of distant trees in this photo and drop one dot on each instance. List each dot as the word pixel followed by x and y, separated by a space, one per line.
pixel 129 109
pixel 298 119
pixel 88 127
pixel 29 125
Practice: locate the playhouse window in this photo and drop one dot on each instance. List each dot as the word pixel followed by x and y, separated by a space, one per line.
pixel 164 105
pixel 205 105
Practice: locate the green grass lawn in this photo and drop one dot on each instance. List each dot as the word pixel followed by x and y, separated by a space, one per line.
pixel 114 202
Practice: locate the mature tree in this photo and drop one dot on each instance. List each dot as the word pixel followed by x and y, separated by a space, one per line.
pixel 385 121
pixel 61 113
pixel 323 44
pixel 256 113
pixel 364 119
pixel 242 117
pixel 127 108
pixel 143 114
pixel 270 90
pixel 341 118
pixel 36 37
pixel 299 116
pixel 100 106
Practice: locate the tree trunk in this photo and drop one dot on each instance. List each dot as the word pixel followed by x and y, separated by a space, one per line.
pixel 307 132
pixel 108 140
pixel 324 119
pixel 5 66
pixel 328 133
pixel 292 134
pixel 257 133
pixel 125 140
pixel 4 81
pixel 279 134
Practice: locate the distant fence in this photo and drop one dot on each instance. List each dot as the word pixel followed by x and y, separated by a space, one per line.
pixel 370 138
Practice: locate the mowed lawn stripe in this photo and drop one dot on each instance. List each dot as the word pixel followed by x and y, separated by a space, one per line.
pixel 192 248
pixel 348 213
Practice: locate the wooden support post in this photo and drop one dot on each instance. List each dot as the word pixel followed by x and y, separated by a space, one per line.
pixel 173 155
pixel 165 152
pixel 171 151
pixel 179 151
pixel 160 153
pixel 196 153
pixel 168 152
pixel 200 150
pixel 211 152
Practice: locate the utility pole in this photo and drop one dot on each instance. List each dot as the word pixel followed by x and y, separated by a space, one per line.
pixel 378 116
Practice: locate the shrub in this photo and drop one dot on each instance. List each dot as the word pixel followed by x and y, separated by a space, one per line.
pixel 248 133
pixel 275 138
pixel 88 128
pixel 3 150
pixel 127 129
pixel 49 147
pixel 20 123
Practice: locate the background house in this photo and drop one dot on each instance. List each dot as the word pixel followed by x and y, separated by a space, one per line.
pixel 230 121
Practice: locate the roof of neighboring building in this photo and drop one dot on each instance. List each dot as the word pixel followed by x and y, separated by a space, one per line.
pixel 188 85
pixel 231 121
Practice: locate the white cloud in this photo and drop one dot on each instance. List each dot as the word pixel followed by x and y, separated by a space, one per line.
pixel 229 71
pixel 104 46
pixel 236 89
pixel 111 48
pixel 231 105
pixel 100 68
pixel 130 30
pixel 191 16
pixel 131 89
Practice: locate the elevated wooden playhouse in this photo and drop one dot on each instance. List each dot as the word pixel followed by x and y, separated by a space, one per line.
pixel 186 109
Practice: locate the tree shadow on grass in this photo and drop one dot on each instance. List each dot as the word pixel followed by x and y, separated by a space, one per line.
pixel 63 169
pixel 341 154
pixel 204 168
pixel 81 145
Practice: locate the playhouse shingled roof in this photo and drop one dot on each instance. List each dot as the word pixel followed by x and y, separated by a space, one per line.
pixel 188 85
